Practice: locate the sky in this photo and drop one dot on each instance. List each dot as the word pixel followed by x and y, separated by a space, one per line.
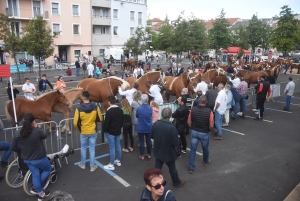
pixel 208 9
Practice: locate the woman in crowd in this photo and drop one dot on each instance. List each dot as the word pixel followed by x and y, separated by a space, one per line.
pixel 60 84
pixel 127 125
pixel 155 111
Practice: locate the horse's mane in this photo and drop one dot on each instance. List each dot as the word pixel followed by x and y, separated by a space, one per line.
pixel 148 74
pixel 45 94
pixel 74 89
pixel 124 85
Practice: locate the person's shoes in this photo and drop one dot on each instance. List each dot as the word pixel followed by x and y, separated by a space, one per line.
pixel 284 109
pixel 117 162
pixel 33 191
pixel 191 171
pixel 183 151
pixel 239 113
pixel 206 163
pixel 233 118
pixel 181 183
pixel 94 168
pixel 258 119
pixel 217 138
pixel 125 150
pixel 225 125
pixel 109 167
pixel 254 110
pixel 46 194
pixel 81 166
pixel 130 149
pixel 4 164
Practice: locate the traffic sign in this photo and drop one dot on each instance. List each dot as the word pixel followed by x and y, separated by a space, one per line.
pixel 269 56
pixel 258 50
pixel 270 52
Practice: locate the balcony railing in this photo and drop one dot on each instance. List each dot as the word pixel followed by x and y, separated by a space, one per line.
pixel 26 14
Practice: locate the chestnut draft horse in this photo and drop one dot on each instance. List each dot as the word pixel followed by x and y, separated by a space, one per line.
pixel 41 108
pixel 275 71
pixel 99 90
pixel 72 95
pixel 195 79
pixel 132 64
pixel 215 76
pixel 153 76
pixel 250 76
pixel 175 85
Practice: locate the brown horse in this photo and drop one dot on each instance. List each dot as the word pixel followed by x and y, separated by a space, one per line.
pixel 41 108
pixel 251 77
pixel 153 76
pixel 72 95
pixel 124 65
pixel 175 85
pixel 195 78
pixel 275 70
pixel 212 74
pixel 99 90
pixel 132 64
pixel 257 67
pixel 296 66
pixel 224 67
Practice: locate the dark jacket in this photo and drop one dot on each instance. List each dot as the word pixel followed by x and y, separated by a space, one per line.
pixel 196 101
pixel 180 71
pixel 144 115
pixel 77 64
pixel 146 195
pixel 211 96
pixel 271 79
pixel 167 73
pixel 32 147
pixel 113 121
pixel 41 84
pixel 263 90
pixel 15 92
pixel 126 119
pixel 230 70
pixel 166 139
pixel 181 115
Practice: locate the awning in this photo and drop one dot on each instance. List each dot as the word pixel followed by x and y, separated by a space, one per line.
pixel 4 71
pixel 235 50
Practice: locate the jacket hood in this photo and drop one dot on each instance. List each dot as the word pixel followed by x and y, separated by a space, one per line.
pixel 88 107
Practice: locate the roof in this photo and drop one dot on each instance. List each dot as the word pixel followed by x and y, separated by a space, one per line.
pixel 157 26
pixel 209 23
pixel 243 22
pixel 156 20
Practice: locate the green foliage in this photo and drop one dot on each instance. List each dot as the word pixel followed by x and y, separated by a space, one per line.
pixel 287 34
pixel 267 31
pixel 197 34
pixel 136 43
pixel 164 39
pixel 240 39
pixel 255 32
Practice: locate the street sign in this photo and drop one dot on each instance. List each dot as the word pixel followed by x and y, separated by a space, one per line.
pixel 258 50
pixel 270 52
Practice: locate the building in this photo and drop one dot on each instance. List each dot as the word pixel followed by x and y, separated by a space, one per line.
pixel 209 23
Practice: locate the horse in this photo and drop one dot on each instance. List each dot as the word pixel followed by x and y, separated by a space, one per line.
pixel 274 71
pixel 175 85
pixel 257 67
pixel 41 108
pixel 72 95
pixel 212 74
pixel 224 67
pixel 99 90
pixel 153 76
pixel 198 58
pixel 297 66
pixel 124 65
pixel 132 64
pixel 251 77
pixel 195 79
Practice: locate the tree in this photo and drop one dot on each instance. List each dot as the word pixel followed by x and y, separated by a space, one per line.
pixel 164 38
pixel 197 34
pixel 11 39
pixel 240 39
pixel 38 39
pixel 286 35
pixel 220 35
pixel 267 30
pixel 137 43
pixel 255 32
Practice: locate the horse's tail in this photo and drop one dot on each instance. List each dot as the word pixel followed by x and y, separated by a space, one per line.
pixel 6 110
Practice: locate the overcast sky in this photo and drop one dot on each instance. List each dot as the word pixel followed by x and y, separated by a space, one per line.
pixel 207 9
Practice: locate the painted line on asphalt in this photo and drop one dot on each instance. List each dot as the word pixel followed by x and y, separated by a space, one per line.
pixel 263 119
pixel 198 153
pixel 295 97
pixel 278 110
pixel 233 131
pixel 290 103
pixel 88 160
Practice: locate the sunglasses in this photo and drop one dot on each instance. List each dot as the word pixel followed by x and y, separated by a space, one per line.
pixel 157 186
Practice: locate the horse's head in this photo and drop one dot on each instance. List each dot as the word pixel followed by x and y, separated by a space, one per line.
pixel 61 98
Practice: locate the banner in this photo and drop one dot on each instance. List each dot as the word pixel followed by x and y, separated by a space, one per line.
pixel 22 68
pixel 4 71
pixel 275 90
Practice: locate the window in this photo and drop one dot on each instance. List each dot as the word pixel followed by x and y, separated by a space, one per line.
pixel 76 53
pixel 131 31
pixel 131 15
pixel 36 7
pixel 15 28
pixel 55 8
pixel 103 13
pixel 76 29
pixel 75 9
pixel 101 52
pixel 140 18
pixel 13 7
pixel 115 13
pixel 115 31
pixel 56 28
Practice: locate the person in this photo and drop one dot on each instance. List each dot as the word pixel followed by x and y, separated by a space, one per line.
pixel 138 75
pixel 29 141
pixel 288 92
pixel 181 115
pixel 136 102
pixel 15 91
pixel 230 103
pixel 113 124
pixel 154 92
pixel 155 111
pixel 220 108
pixel 242 88
pixel 211 96
pixel 84 68
pixel 69 72
pixel 230 70
pixel 111 58
pixel 127 125
pixel 5 146
pixel 271 79
pixel 77 65
pixel 168 73
pixel 60 84
pixel 201 86
pixel 286 67
pixel 99 64
pixel 235 80
pixel 158 68
pixel 126 74
pixel 43 84
pixel 199 94
pixel 185 93
pixel 201 121
pixel 90 69
pixel 28 89
pixel 97 72
pixel 128 93
pixel 181 70
pixel 155 187
pixel 263 94
pixel 85 121
pixel 165 136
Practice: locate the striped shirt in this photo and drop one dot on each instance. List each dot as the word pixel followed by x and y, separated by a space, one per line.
pixel 242 88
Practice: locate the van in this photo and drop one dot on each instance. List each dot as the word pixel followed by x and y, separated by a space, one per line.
pixel 115 52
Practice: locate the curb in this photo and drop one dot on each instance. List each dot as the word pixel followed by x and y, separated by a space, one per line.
pixel 294 195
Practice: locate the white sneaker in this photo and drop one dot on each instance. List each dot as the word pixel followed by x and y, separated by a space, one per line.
pixel 65 149
pixel 256 112
pixel 117 162
pixel 109 167
pixel 239 113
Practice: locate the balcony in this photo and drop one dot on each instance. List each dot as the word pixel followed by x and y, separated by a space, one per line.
pixel 102 39
pixel 101 3
pixel 99 20
pixel 25 14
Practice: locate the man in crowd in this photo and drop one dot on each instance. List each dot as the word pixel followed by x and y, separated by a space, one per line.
pixel 199 94
pixel 242 88
pixel 220 108
pixel 77 64
pixel 154 92
pixel 85 118
pixel 169 71
pixel 201 121
pixel 201 86
pixel 15 91
pixel 158 68
pixel 126 74
pixel 90 69
pixel 128 93
pixel 235 80
pixel 181 70
pixel 263 90
pixel 211 96
pixel 28 89
pixel 165 138
pixel 289 91
pixel 113 124
pixel 43 84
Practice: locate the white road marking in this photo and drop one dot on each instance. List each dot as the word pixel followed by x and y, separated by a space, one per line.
pixel 263 119
pixel 198 153
pixel 290 103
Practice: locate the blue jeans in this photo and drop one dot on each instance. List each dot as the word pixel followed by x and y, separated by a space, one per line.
pixel 114 144
pixel 5 146
pixel 218 123
pixel 88 140
pixel 148 143
pixel 287 101
pixel 77 72
pixel 243 101
pixel 235 109
pixel 197 136
pixel 39 177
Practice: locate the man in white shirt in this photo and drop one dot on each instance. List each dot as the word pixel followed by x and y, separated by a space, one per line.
pixel 128 93
pixel 90 69
pixel 135 74
pixel 236 81
pixel 28 89
pixel 219 109
pixel 154 92
pixel 201 86
pixel 289 91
